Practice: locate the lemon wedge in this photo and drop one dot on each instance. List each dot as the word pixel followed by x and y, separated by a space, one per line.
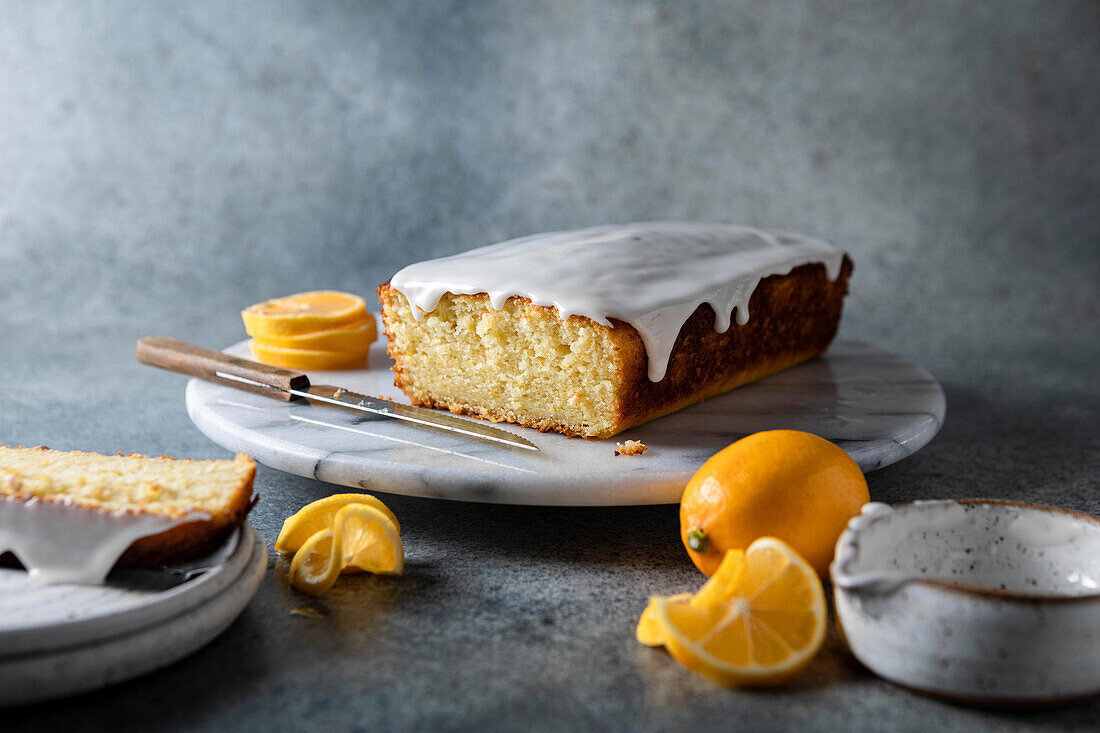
pixel 321 514
pixel 369 541
pixel 648 632
pixel 303 313
pixel 316 566
pixel 758 621
pixel 345 533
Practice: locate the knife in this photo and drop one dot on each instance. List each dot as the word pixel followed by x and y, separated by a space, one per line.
pixel 287 385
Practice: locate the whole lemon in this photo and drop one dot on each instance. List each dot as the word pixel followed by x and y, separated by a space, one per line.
pixel 780 483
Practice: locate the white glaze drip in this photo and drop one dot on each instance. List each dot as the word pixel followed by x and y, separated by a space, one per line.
pixel 60 543
pixel 650 275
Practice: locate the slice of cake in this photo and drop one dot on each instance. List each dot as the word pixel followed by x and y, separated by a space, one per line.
pixel 196 503
pixel 593 331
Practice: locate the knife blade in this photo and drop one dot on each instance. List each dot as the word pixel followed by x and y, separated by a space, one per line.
pixel 287 385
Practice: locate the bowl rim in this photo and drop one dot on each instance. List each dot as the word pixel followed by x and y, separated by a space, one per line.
pixel 984 592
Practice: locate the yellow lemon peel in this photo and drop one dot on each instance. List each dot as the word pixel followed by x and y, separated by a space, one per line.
pixel 359 536
pixel 321 514
pixel 352 337
pixel 308 360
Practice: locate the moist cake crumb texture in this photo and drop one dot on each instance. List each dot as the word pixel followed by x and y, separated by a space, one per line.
pixel 521 363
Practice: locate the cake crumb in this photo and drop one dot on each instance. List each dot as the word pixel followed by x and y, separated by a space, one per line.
pixel 631 448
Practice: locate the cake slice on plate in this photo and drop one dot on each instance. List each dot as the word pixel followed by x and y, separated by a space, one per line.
pixel 594 331
pixel 62 507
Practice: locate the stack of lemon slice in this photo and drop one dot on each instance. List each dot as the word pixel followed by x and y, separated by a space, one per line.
pixel 342 534
pixel 759 620
pixel 325 329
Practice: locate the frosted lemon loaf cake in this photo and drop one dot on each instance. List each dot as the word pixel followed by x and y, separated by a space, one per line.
pixel 593 331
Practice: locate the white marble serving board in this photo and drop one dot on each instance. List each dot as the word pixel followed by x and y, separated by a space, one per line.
pixel 878 406
pixel 62 639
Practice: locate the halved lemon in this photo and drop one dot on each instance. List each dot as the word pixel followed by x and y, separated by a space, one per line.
pixel 321 514
pixel 353 336
pixel 303 313
pixel 309 359
pixel 758 621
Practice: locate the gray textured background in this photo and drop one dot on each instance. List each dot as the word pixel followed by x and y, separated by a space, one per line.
pixel 163 165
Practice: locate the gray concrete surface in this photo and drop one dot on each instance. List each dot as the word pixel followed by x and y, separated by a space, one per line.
pixel 163 165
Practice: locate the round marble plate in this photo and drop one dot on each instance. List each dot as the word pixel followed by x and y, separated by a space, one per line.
pixel 62 639
pixel 877 406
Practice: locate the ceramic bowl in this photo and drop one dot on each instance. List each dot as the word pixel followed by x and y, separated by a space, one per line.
pixel 978 600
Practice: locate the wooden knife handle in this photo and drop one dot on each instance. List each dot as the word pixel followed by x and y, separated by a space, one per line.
pixel 185 358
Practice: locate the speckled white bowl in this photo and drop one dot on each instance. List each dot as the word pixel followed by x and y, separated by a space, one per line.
pixel 978 600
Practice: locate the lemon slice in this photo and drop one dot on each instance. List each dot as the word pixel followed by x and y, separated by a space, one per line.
pixel 353 336
pixel 648 632
pixel 303 313
pixel 369 540
pixel 316 566
pixel 321 514
pixel 759 620
pixel 309 359
pixel 344 533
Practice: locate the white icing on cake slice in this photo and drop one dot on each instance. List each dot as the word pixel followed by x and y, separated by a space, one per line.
pixel 63 543
pixel 650 275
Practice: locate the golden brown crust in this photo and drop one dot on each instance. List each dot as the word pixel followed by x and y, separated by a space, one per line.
pixel 194 540
pixel 181 543
pixel 793 318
